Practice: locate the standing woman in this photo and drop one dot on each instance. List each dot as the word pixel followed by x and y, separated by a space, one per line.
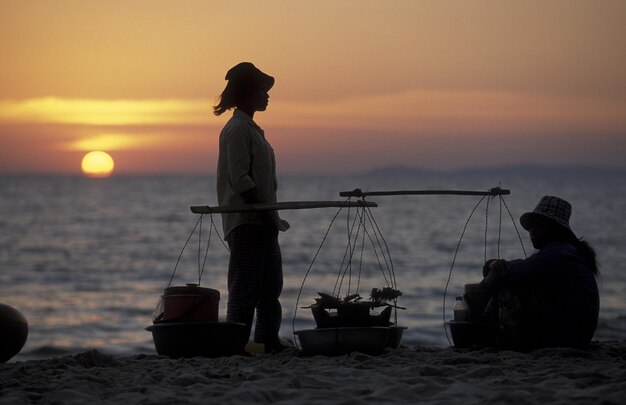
pixel 246 174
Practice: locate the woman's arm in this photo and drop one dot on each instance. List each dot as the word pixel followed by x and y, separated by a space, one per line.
pixel 239 157
pixel 543 265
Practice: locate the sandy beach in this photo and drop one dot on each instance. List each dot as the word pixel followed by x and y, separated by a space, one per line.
pixel 404 375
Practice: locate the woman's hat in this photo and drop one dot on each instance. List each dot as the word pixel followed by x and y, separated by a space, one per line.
pixel 552 208
pixel 245 74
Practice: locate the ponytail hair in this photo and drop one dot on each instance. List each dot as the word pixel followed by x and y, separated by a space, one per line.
pixel 588 254
pixel 583 247
pixel 224 104
pixel 229 98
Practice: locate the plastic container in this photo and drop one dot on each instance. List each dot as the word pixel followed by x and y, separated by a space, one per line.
pixel 461 310
pixel 190 303
pixel 477 297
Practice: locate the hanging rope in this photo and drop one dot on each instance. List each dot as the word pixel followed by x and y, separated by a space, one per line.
pixel 347 254
pixel 386 255
pixel 219 236
pixel 502 202
pixel 514 226
pixel 486 228
pixel 350 249
pixel 206 251
pixel 358 281
pixel 387 278
pixel 201 263
pixel 456 251
pixel 391 268
pixel 200 247
pixel 182 250
pixel 306 274
pixel 499 225
pixel 364 215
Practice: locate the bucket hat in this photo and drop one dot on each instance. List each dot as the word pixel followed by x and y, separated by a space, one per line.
pixel 554 209
pixel 245 74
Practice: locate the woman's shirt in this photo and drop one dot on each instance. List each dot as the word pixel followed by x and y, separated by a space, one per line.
pixel 567 282
pixel 246 160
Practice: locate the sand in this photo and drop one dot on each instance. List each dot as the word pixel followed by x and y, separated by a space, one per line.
pixel 404 375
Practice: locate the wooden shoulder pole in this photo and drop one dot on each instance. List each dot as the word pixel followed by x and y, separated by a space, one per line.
pixel 284 205
pixel 359 193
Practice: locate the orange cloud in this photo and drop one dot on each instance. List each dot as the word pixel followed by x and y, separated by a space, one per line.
pixel 452 111
pixel 115 141
pixel 439 111
pixel 105 112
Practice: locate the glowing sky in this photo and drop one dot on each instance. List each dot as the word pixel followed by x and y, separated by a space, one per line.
pixel 360 84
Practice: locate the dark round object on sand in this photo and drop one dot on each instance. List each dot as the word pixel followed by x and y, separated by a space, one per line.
pixel 13 332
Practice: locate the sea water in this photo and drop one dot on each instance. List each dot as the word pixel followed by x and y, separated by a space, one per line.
pixel 86 260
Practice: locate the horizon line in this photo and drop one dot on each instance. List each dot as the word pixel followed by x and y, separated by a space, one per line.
pixel 387 169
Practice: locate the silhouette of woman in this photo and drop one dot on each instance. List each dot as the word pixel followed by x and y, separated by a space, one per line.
pixel 246 174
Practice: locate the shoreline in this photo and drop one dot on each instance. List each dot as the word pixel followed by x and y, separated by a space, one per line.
pixel 404 375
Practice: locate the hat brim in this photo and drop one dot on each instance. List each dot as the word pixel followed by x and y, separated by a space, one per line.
pixel 528 218
pixel 246 75
pixel 266 82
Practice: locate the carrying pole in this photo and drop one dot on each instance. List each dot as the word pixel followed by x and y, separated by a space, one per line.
pixel 284 205
pixel 359 193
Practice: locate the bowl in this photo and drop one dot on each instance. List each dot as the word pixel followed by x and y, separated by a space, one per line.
pixel 337 341
pixel 395 335
pixel 350 315
pixel 191 339
pixel 467 334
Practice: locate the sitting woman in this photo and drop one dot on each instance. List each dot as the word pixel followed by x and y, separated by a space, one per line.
pixel 551 298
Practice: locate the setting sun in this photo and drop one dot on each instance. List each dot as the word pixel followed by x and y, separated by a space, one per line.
pixel 97 164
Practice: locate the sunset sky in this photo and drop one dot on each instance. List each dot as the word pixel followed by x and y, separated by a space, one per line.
pixel 359 84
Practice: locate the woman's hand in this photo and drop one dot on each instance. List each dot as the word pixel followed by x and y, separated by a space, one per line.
pixel 493 271
pixel 487 267
pixel 284 225
pixel 250 196
pixel 499 266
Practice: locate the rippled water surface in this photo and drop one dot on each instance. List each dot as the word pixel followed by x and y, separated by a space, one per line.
pixel 85 260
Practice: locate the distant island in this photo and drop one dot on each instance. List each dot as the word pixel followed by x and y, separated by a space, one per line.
pixel 400 170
